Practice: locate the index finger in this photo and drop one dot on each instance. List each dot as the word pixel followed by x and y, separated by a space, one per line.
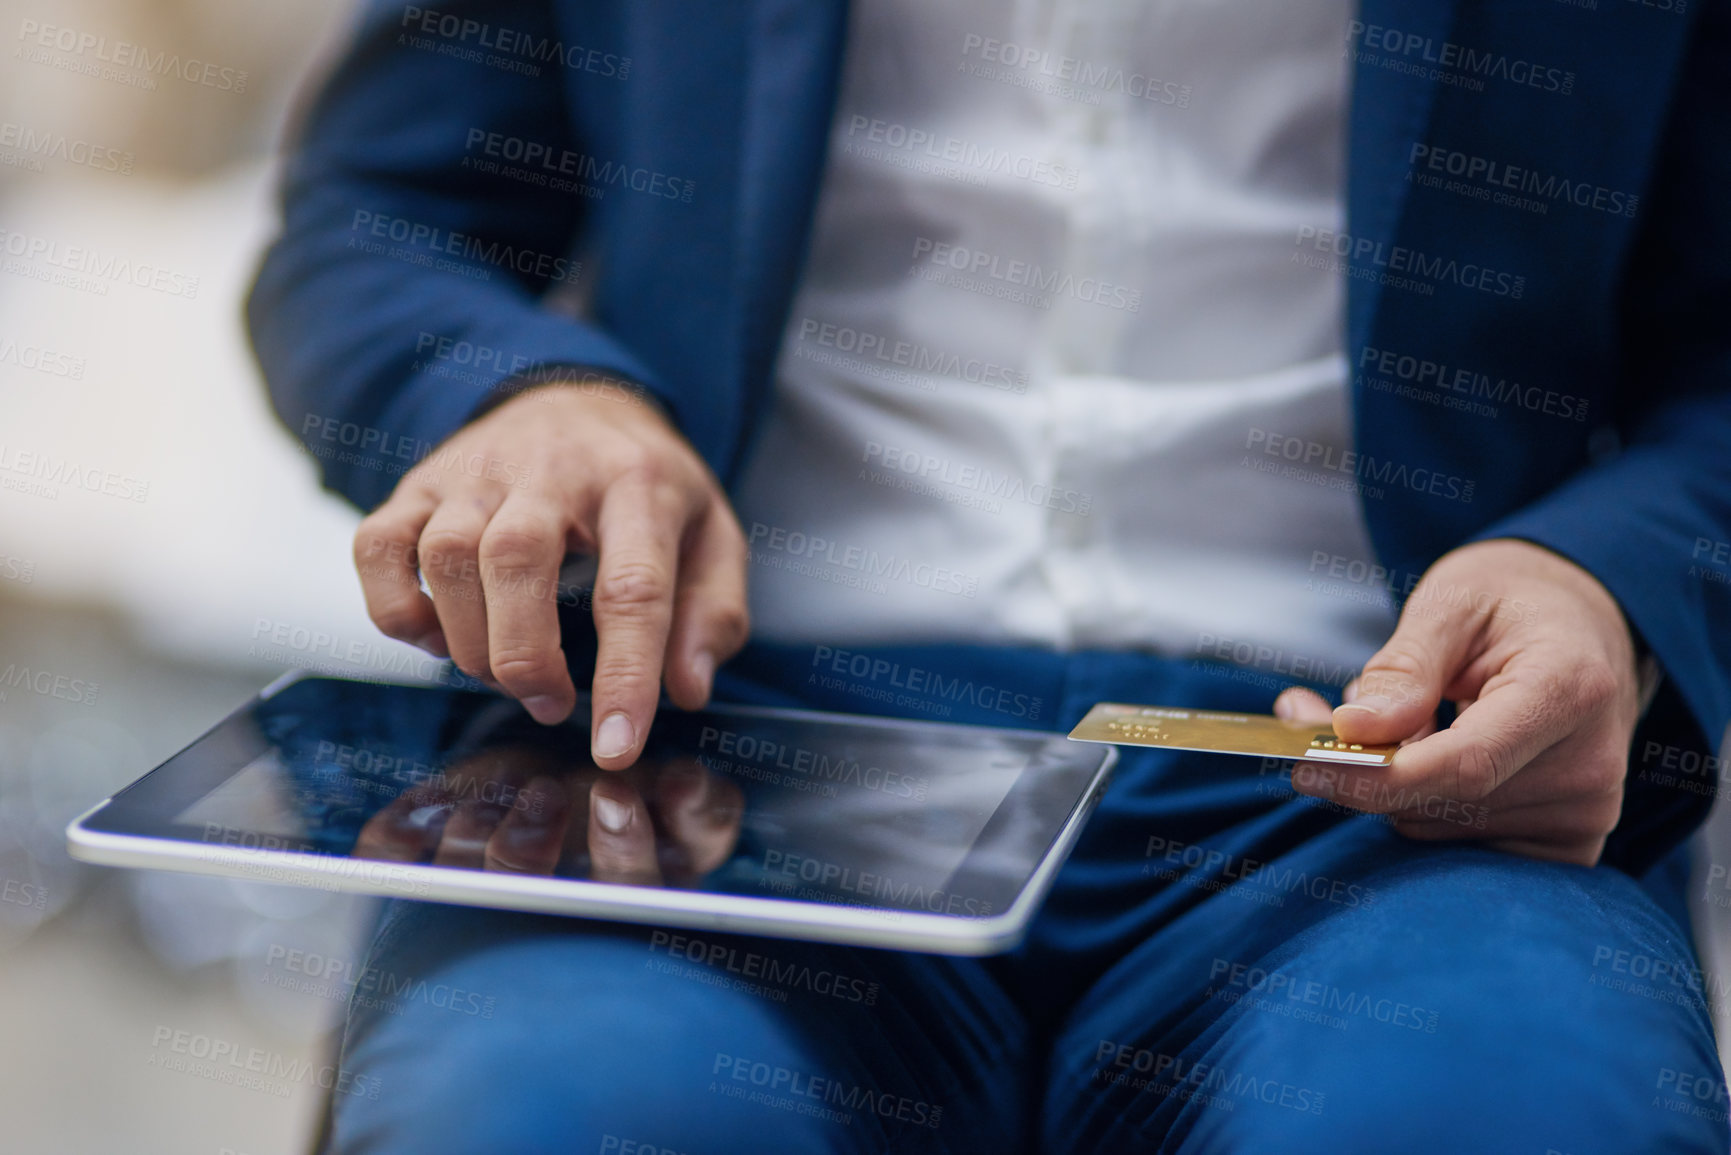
pixel 638 533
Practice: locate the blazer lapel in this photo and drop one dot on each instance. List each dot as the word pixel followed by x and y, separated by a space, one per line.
pixel 1391 109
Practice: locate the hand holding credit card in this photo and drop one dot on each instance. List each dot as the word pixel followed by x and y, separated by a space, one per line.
pixel 1218 732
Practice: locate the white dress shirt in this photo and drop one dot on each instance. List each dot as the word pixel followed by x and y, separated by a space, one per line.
pixel 1048 329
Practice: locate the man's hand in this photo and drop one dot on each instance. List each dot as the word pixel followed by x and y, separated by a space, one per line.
pixel 1539 661
pixel 489 517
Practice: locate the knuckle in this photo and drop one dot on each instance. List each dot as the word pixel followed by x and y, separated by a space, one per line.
pixel 373 537
pixel 401 621
pixel 515 543
pixel 1604 775
pixel 623 678
pixel 1481 768
pixel 733 536
pixel 1604 814
pixel 634 461
pixel 732 626
pixel 439 542
pixel 634 586
pixel 523 667
pixel 1595 686
pixel 1399 659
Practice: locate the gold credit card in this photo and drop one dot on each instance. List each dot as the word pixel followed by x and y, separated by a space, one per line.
pixel 1263 735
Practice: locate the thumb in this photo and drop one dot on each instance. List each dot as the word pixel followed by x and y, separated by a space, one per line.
pixel 1401 685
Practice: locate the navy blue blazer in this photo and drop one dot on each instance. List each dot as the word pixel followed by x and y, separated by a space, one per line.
pixel 1539 225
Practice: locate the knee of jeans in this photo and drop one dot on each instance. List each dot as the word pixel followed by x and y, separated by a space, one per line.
pixel 1472 996
pixel 565 1043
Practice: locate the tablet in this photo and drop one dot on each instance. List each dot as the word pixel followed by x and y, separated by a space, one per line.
pixel 837 828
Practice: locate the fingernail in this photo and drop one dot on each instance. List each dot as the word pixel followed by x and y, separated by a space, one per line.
pixel 544 708
pixel 434 643
pixel 1370 703
pixel 614 736
pixel 614 817
pixel 703 669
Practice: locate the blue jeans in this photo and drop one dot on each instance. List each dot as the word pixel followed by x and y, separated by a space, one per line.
pixel 1222 966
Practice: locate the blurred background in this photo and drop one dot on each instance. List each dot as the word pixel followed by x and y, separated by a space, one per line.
pixel 156 525
pixel 157 528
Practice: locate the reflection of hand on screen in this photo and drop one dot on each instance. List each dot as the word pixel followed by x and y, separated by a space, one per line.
pixel 511 810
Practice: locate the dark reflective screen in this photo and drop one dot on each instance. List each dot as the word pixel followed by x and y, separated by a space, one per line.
pixel 901 816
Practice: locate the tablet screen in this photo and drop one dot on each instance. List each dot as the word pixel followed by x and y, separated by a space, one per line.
pixel 914 817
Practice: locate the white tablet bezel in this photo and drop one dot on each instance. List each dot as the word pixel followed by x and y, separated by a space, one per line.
pixel 686 909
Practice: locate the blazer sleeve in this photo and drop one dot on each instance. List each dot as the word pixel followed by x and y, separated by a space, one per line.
pixel 407 286
pixel 1653 520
